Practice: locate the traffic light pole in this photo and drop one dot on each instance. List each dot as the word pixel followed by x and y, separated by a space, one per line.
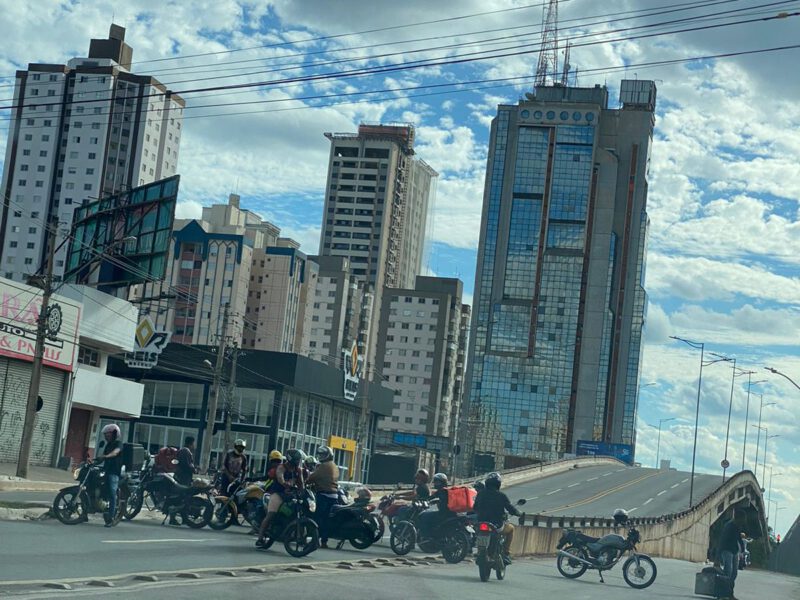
pixel 213 401
pixel 38 356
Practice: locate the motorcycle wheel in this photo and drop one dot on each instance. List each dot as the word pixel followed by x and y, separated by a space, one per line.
pixel 223 515
pixel 569 568
pixel 70 506
pixel 484 569
pixel 363 541
pixel 403 538
pixel 301 537
pixel 641 576
pixel 455 546
pixel 197 512
pixel 380 527
pixel 134 504
pixel 500 568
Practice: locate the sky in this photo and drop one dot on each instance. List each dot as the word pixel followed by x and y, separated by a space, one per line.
pixel 724 246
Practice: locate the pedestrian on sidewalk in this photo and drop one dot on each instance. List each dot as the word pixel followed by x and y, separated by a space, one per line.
pixel 111 457
pixel 729 547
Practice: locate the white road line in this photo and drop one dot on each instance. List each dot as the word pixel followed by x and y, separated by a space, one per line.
pixel 534 498
pixel 647 502
pixel 573 485
pixel 593 478
pixel 553 492
pixel 172 540
pixel 684 480
pixel 620 471
pixel 607 474
pixel 630 510
pixel 661 492
pixel 674 486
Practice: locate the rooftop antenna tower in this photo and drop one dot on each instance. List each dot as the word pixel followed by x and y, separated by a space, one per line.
pixel 548 52
pixel 565 71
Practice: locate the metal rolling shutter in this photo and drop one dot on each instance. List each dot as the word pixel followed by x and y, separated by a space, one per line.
pixel 16 376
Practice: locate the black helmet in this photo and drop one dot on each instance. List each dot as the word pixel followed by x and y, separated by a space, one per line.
pixel 294 457
pixel 620 516
pixel 479 486
pixel 439 481
pixel 494 481
pixel 324 453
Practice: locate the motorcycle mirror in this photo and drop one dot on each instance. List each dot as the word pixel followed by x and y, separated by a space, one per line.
pixel 521 501
pixel 174 461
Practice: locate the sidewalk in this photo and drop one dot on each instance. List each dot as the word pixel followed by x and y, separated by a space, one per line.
pixel 39 478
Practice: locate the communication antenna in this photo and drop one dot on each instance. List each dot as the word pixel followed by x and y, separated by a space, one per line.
pixel 548 52
pixel 567 66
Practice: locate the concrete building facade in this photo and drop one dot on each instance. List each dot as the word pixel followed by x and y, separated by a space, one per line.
pixel 418 351
pixel 81 130
pixel 559 300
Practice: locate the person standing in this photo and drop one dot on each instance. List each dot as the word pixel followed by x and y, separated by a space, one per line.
pixel 729 547
pixel 111 457
pixel 186 468
pixel 324 480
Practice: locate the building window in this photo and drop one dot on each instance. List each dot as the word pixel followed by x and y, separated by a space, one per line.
pixel 87 356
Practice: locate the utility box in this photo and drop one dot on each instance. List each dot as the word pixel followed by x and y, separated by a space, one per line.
pixel 133 456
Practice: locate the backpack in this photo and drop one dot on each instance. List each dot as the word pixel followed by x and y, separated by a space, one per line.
pixel 461 498
pixel 163 460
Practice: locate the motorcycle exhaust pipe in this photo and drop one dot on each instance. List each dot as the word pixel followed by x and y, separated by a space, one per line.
pixel 573 557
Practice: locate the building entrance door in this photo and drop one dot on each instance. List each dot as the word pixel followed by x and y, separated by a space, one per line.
pixel 79 422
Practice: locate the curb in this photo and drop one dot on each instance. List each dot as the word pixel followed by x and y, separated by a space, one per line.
pixel 31 486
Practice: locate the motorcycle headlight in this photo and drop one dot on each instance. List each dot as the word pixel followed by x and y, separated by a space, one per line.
pixel 76 473
pixel 312 506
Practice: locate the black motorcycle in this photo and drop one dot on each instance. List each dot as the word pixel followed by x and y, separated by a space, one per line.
pixel 453 536
pixel 489 542
pixel 74 504
pixel 293 525
pixel 352 523
pixel 189 503
pixel 578 552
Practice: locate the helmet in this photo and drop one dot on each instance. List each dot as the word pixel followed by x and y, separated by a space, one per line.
pixel 440 481
pixel 294 457
pixel 275 455
pixel 240 443
pixel 424 475
pixel 620 516
pixel 479 486
pixel 113 429
pixel 494 481
pixel 311 461
pixel 324 453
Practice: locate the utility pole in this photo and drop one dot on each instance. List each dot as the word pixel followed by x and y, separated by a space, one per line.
pixel 38 355
pixel 229 398
pixel 211 418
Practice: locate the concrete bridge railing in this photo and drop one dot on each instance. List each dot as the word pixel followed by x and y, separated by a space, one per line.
pixel 685 535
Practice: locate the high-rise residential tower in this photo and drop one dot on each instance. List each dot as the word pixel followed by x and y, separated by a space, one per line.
pixel 77 131
pixel 376 208
pixel 559 300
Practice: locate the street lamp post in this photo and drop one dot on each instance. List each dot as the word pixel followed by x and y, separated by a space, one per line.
pixel 750 384
pixel 658 445
pixel 789 379
pixel 767 438
pixel 725 463
pixel 771 474
pixel 758 438
pixel 701 346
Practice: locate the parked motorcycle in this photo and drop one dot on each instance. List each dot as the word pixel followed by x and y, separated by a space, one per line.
pixel 74 504
pixel 452 536
pixel 190 503
pixel 489 542
pixel 578 553
pixel 293 525
pixel 353 523
pixel 243 498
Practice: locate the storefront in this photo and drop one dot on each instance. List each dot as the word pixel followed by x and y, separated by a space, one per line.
pixel 278 401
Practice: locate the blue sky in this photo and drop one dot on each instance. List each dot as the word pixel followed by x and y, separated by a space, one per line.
pixel 724 182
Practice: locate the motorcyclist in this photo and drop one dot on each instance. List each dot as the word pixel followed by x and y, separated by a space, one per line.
pixel 111 458
pixel 288 477
pixel 421 491
pixel 491 506
pixel 235 465
pixel 325 482
pixel 310 463
pixel 186 467
pixel 432 517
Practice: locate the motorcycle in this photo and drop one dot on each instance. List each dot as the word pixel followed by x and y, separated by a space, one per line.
pixel 74 504
pixel 353 523
pixel 490 541
pixel 293 525
pixel 189 502
pixel 578 553
pixel 244 497
pixel 453 537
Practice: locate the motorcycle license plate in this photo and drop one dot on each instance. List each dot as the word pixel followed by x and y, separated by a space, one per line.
pixel 482 541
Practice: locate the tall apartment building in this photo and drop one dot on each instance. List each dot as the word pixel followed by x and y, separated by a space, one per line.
pixel 81 130
pixel 418 350
pixel 559 300
pixel 376 207
pixel 209 266
pixel 338 311
pixel 282 282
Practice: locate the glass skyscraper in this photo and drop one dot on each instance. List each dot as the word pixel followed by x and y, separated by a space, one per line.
pixel 559 298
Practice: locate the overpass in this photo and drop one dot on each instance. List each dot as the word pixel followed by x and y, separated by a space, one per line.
pixel 583 493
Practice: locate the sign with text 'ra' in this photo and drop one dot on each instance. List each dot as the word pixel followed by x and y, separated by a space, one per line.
pixel 148 345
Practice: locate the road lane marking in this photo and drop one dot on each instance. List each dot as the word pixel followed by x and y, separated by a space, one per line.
pixel 594 478
pixel 661 492
pixel 159 541
pixel 630 510
pixel 674 486
pixel 647 502
pixel 619 471
pixel 573 485
pixel 684 480
pixel 530 499
pixel 607 474
pixel 553 492
pixel 600 494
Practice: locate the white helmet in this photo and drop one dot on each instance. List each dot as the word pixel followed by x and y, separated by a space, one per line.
pixel 113 429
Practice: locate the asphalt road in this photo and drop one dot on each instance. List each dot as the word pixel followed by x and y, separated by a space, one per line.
pixel 526 578
pixel 597 491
